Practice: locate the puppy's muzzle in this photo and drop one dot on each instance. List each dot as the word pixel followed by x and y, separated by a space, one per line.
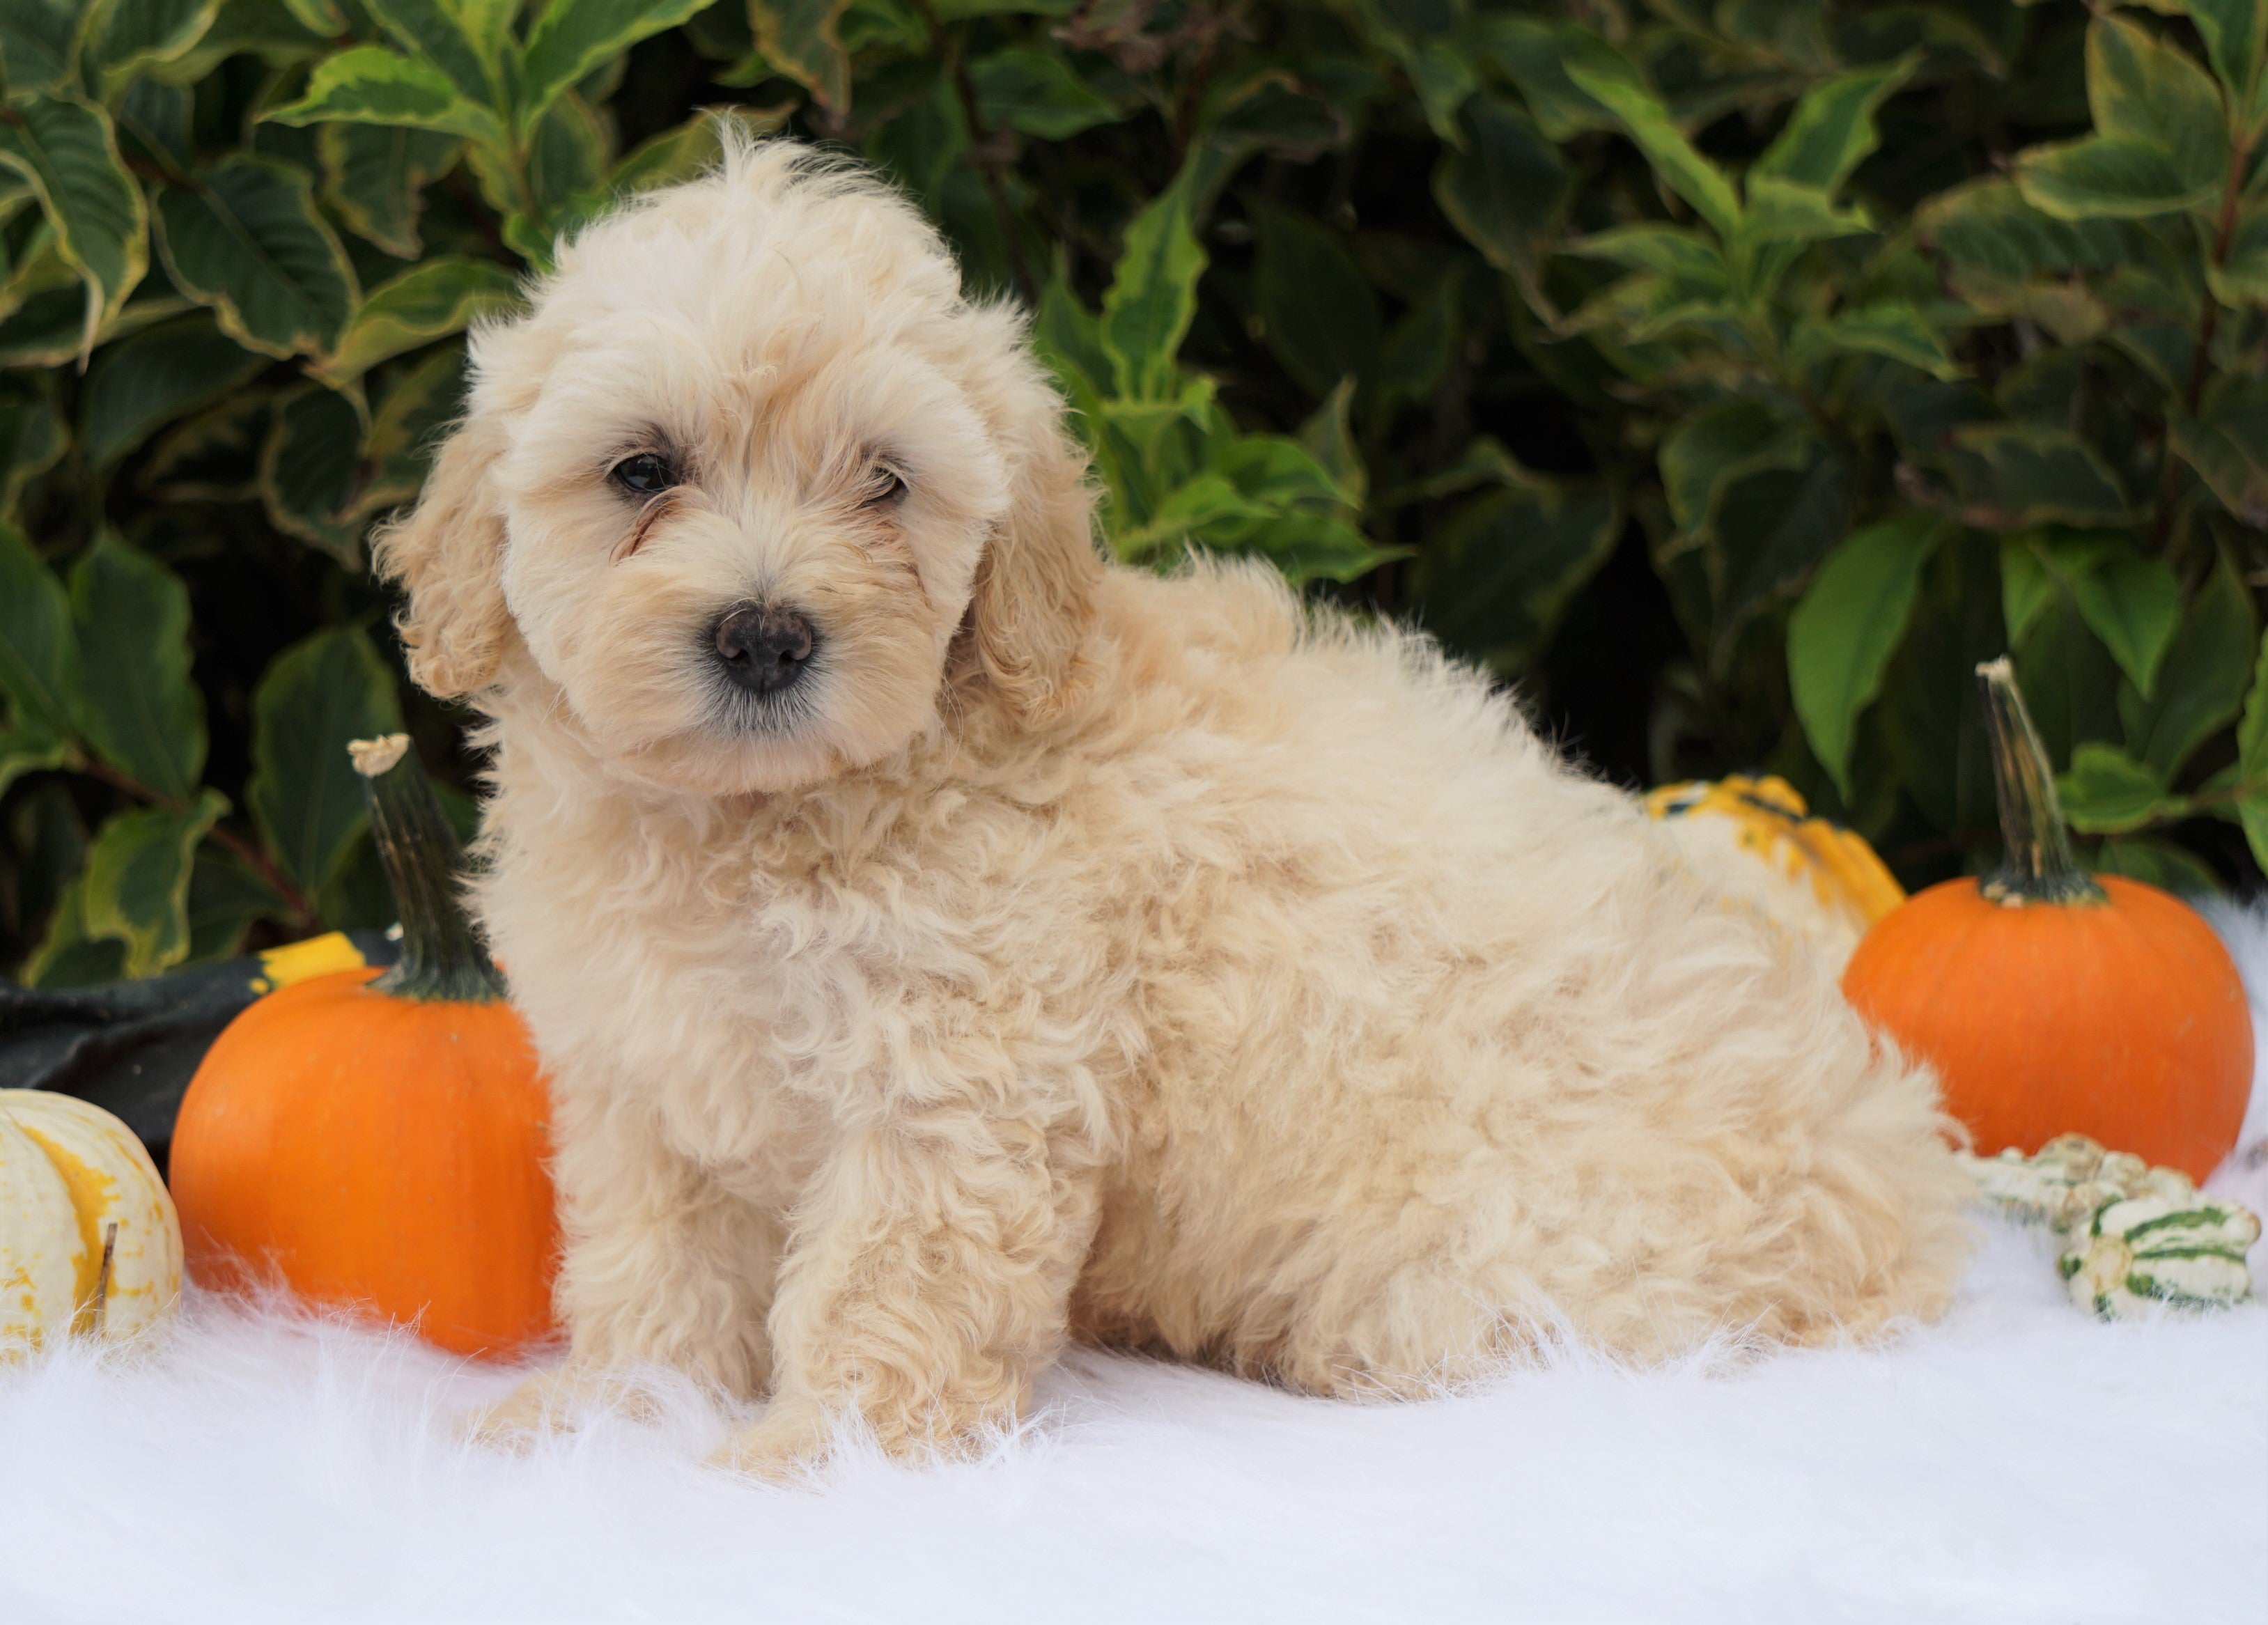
pixel 764 647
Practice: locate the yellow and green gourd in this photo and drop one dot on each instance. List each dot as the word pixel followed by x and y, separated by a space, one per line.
pixel 1754 842
pixel 89 1242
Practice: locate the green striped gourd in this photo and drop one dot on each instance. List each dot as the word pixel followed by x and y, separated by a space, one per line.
pixel 2143 1253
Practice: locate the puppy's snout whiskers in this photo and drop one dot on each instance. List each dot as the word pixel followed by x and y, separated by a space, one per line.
pixel 781 713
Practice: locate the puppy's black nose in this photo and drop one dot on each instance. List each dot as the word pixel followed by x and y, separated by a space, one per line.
pixel 764 647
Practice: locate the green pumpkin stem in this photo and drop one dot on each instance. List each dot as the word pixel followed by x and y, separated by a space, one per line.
pixel 2036 865
pixel 442 958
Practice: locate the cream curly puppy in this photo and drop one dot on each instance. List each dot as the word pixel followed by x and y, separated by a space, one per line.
pixel 943 944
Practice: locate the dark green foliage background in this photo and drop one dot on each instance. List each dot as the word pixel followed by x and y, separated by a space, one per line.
pixel 1733 376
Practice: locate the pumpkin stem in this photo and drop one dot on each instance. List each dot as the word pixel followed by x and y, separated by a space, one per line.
pixel 442 957
pixel 2038 865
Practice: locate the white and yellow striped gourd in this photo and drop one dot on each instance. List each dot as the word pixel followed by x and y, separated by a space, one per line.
pixel 89 1242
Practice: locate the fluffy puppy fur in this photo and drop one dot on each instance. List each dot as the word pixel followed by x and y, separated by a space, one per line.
pixel 1068 953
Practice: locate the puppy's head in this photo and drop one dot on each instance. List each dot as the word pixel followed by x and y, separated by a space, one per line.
pixel 749 485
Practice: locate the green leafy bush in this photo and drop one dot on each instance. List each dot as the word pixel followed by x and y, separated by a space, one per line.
pixel 1731 376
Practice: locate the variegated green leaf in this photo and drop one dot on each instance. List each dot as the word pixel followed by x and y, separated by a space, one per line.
pixel 304 793
pixel 32 436
pixel 1848 625
pixel 1892 328
pixel 310 470
pixel 1495 581
pixel 66 148
pixel 2107 792
pixel 1683 169
pixel 572 37
pixel 802 40
pixel 1831 130
pixel 1506 191
pixel 1152 299
pixel 1538 56
pixel 375 175
pixel 152 378
pixel 137 885
pixel 2015 474
pixel 2200 686
pixel 1035 91
pixel 431 31
pixel 322 16
pixel 2145 88
pixel 2106 178
pixel 39 652
pixel 408 425
pixel 282 34
pixel 135 701
pixel 23 751
pixel 246 238
pixel 369 84
pixel 431 301
pixel 39 41
pixel 134 35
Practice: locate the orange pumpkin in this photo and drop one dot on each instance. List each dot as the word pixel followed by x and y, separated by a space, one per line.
pixel 2053 1002
pixel 376 1141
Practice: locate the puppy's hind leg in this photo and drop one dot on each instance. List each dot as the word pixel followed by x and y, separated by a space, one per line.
pixel 661 1267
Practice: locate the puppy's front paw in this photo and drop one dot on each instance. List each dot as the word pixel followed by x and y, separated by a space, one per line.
pixel 555 1401
pixel 784 1445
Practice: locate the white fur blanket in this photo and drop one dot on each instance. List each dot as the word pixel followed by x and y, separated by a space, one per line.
pixel 2018 1462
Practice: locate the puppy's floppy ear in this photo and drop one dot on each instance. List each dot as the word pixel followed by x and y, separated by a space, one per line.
pixel 449 552
pixel 1036 581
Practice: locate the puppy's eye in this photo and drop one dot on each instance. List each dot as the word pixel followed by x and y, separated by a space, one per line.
pixel 883 486
pixel 643 473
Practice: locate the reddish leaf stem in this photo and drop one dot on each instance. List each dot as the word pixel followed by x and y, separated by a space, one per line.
pixel 302 911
